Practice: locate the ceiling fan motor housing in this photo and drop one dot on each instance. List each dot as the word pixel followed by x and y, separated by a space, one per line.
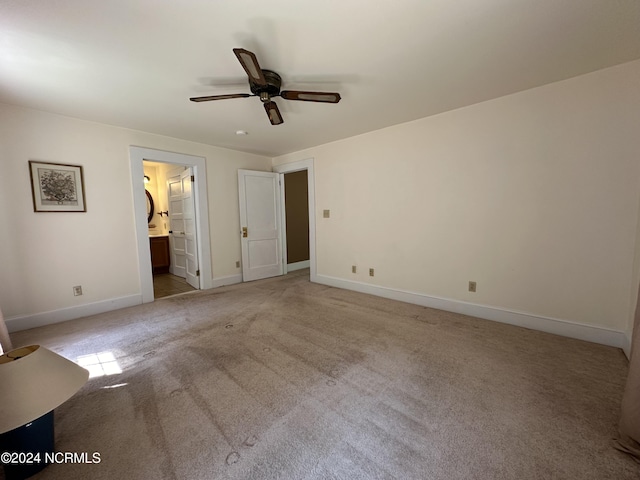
pixel 272 88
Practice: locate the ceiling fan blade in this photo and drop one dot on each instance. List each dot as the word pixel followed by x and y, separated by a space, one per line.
pixel 273 113
pixel 220 97
pixel 250 64
pixel 325 97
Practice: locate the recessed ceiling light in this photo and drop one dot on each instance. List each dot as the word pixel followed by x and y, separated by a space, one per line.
pixel 242 132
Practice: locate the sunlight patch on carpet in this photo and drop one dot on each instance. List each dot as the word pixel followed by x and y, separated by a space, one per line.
pixel 100 364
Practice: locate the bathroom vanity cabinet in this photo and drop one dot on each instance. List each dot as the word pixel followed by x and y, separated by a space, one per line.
pixel 160 257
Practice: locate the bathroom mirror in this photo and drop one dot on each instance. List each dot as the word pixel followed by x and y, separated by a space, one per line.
pixel 150 206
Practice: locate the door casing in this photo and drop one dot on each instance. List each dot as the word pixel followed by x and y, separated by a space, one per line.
pixel 308 165
pixel 136 156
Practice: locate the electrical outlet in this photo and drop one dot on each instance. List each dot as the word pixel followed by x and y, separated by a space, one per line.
pixel 371 272
pixel 77 290
pixel 354 269
pixel 472 287
pixel 326 213
pixel 238 264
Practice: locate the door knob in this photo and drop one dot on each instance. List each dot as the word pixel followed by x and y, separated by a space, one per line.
pixel 245 234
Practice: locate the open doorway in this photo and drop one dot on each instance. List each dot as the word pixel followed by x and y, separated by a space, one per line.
pixel 172 239
pixel 296 206
pixel 196 219
pixel 294 213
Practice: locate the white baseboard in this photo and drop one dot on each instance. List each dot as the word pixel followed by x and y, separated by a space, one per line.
pixel 228 280
pixel 291 267
pixel 24 322
pixel 555 326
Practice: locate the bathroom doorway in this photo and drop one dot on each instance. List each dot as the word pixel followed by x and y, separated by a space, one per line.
pixel 198 217
pixel 172 238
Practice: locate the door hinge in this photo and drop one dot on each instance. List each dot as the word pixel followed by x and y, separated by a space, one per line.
pixel 197 273
pixel 193 178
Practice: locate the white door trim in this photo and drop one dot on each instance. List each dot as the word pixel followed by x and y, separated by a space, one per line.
pixel 137 155
pixel 296 167
pixel 283 224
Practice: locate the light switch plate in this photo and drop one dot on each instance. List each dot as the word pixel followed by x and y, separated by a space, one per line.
pixel 326 213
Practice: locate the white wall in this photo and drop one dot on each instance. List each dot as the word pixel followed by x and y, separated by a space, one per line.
pixel 44 255
pixel 534 196
pixel 635 281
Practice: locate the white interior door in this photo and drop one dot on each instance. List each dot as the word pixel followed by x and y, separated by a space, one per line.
pixel 189 233
pixel 260 224
pixel 178 262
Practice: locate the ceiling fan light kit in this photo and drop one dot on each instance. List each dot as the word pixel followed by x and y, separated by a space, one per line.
pixel 266 85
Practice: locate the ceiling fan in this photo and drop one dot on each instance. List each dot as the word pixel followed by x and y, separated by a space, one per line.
pixel 266 85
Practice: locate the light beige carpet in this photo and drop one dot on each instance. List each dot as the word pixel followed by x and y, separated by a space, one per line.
pixel 284 379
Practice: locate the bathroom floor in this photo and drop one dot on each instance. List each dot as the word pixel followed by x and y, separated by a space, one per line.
pixel 165 284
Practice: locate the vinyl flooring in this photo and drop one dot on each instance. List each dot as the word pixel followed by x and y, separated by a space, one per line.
pixel 166 284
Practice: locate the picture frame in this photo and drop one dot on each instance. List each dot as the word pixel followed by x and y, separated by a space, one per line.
pixel 57 187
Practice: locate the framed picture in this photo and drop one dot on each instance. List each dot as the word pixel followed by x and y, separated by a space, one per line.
pixel 57 187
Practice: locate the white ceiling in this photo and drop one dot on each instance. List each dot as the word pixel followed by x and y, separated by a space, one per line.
pixel 135 63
